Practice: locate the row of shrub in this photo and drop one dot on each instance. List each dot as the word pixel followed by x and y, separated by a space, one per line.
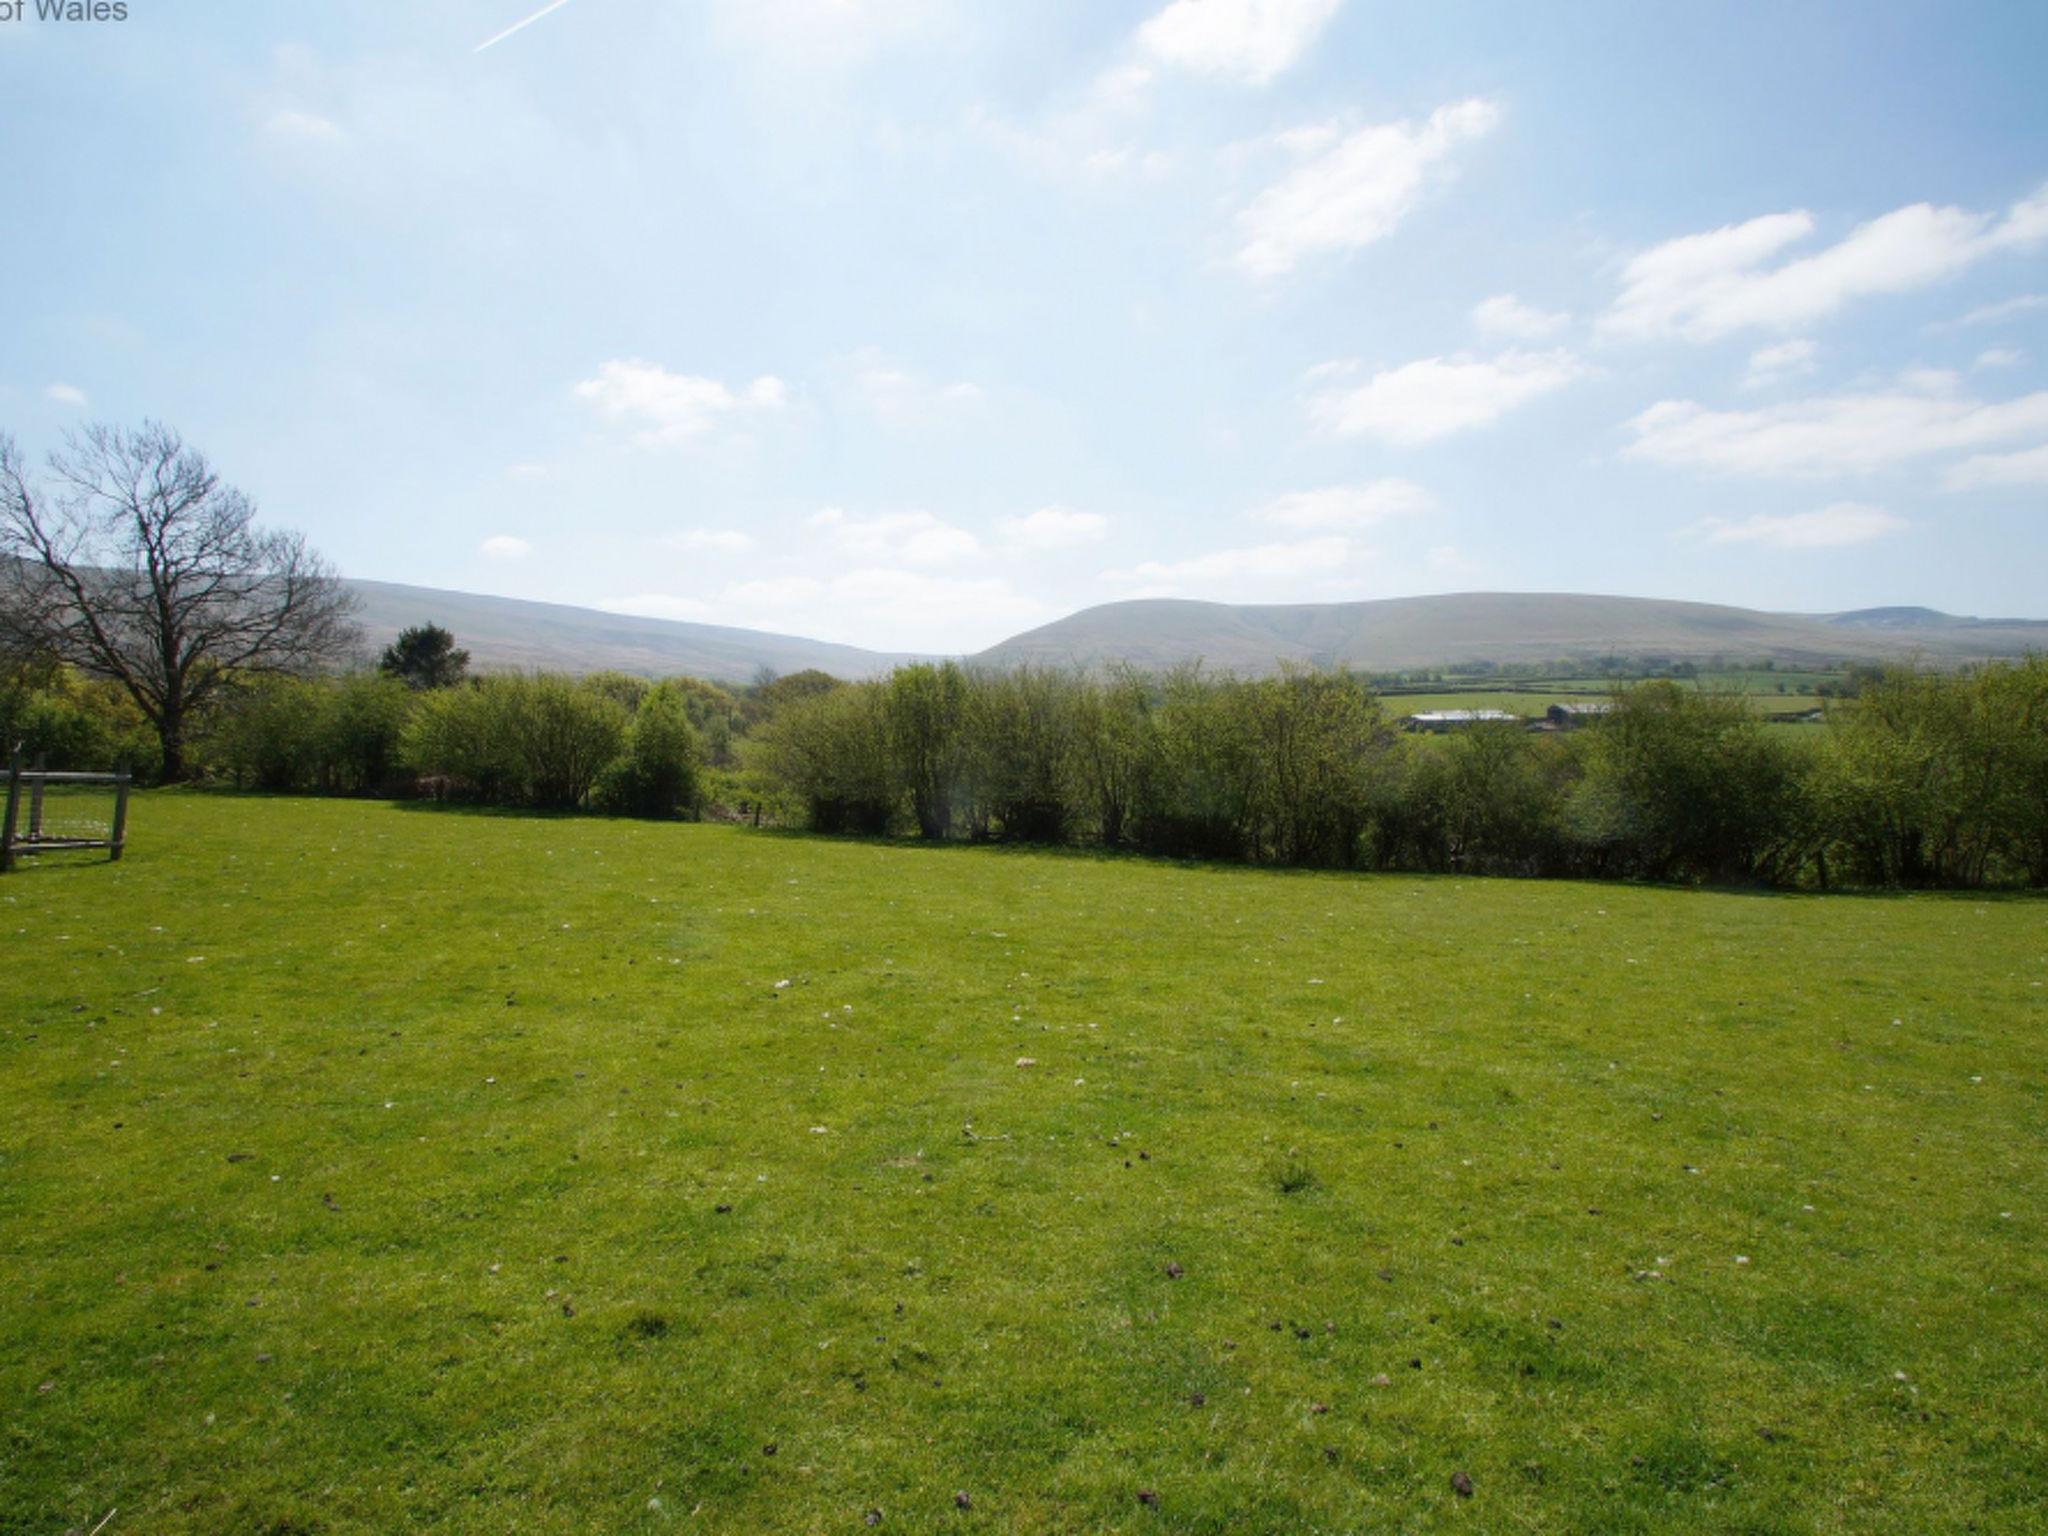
pixel 1925 778
pixel 542 741
pixel 1928 779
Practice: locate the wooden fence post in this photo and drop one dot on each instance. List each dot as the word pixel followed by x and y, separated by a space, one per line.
pixel 13 805
pixel 120 817
pixel 35 800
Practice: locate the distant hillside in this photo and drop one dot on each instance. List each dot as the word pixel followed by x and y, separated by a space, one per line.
pixel 503 632
pixel 1398 634
pixel 1388 636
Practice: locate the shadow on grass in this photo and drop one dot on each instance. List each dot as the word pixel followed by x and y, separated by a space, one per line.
pixel 1098 855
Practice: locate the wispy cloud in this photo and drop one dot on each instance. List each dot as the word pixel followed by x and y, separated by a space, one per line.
pixel 1247 40
pixel 504 547
pixel 716 541
pixel 1506 316
pixel 2005 309
pixel 1775 364
pixel 1436 396
pixel 1288 561
pixel 1334 507
pixel 1052 528
pixel 668 408
pixel 2027 467
pixel 66 394
pixel 1835 526
pixel 907 538
pixel 1707 285
pixel 1355 191
pixel 520 26
pixel 1830 435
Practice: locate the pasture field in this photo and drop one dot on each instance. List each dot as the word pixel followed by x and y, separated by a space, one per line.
pixel 373 1169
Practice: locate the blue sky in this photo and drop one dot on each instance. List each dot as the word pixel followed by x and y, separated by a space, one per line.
pixel 913 324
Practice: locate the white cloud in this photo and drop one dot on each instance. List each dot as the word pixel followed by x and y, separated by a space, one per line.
pixel 668 408
pixel 2005 309
pixel 1295 561
pixel 66 394
pixel 1052 528
pixel 1089 145
pixel 1829 435
pixel 1507 316
pixel 504 546
pixel 527 471
pixel 2027 467
pixel 1249 40
pixel 295 126
pixel 914 538
pixel 716 541
pixel 1999 357
pixel 1779 362
pixel 1346 506
pixel 1831 527
pixel 1434 397
pixel 882 607
pixel 1355 192
pixel 897 397
pixel 1708 285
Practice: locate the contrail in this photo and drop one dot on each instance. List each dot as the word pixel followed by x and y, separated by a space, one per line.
pixel 552 5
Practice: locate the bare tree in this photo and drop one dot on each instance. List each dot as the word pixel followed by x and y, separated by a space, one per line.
pixel 145 568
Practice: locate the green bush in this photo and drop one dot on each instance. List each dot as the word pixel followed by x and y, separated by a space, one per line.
pixel 657 773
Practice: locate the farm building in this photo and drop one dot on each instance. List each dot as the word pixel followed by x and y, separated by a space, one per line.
pixel 1441 720
pixel 1565 716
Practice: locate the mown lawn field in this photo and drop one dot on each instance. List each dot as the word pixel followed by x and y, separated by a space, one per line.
pixel 373 1169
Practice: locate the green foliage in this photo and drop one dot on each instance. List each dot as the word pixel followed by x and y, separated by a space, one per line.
pixel 538 740
pixel 73 723
pixel 1927 779
pixel 657 774
pixel 716 716
pixel 1202 784
pixel 926 715
pixel 832 751
pixel 1684 785
pixel 1018 764
pixel 1112 753
pixel 1487 800
pixel 423 657
pixel 334 735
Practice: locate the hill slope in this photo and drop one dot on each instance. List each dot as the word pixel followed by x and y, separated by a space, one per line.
pixel 503 632
pixel 1389 635
pixel 1399 633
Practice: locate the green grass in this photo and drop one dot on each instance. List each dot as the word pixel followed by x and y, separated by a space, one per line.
pixel 370 1169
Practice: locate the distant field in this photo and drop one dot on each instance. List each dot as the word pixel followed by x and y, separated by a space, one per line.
pixel 1530 699
pixel 371 1169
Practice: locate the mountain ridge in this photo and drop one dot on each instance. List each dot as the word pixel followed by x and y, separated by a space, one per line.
pixel 1376 635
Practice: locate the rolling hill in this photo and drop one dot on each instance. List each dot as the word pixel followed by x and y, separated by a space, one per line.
pixel 501 633
pixel 1394 634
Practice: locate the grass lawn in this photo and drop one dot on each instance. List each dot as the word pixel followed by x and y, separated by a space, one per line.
pixel 373 1169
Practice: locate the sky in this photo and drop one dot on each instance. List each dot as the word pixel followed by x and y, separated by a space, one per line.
pixel 915 323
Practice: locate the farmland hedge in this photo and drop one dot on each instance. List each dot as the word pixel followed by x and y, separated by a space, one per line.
pixel 1921 779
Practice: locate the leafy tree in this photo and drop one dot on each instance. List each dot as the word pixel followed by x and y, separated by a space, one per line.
pixel 657 775
pixel 1684 784
pixel 926 710
pixel 423 657
pixel 832 750
pixel 145 568
pixel 1113 751
pixel 1317 739
pixel 1019 730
